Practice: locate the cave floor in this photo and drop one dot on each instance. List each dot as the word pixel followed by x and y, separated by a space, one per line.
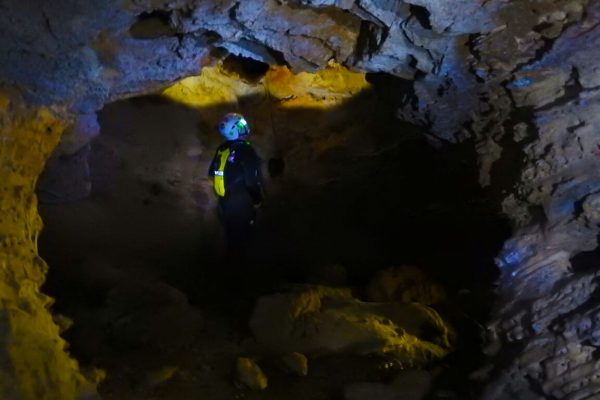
pixel 152 342
pixel 138 266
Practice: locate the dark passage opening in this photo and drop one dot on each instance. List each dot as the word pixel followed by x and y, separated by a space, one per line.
pixel 247 68
pixel 138 265
pixel 422 15
pixel 585 261
pixel 151 25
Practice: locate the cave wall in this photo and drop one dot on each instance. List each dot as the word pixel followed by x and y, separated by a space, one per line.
pixel 33 358
pixel 298 118
pixel 106 50
pixel 518 78
pixel 547 306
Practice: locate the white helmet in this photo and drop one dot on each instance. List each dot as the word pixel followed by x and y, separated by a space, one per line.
pixel 234 126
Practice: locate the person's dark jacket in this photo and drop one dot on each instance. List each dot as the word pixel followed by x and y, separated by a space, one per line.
pixel 242 171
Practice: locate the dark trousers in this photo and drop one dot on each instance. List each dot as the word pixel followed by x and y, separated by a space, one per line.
pixel 238 216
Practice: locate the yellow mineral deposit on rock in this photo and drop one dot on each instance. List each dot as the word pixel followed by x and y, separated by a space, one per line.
pixel 250 374
pixel 35 364
pixel 321 320
pixel 297 363
pixel 217 85
pixel 325 88
pixel 214 85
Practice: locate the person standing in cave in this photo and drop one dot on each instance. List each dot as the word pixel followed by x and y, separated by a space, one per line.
pixel 238 184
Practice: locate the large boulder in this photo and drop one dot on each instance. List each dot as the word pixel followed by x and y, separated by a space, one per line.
pixel 319 320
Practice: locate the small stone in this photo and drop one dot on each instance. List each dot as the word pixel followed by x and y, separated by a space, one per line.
pixel 156 377
pixel 519 132
pixel 250 374
pixel 297 363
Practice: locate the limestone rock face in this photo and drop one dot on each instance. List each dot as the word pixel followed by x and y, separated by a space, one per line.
pixel 81 53
pixel 547 291
pixel 321 320
pixel 88 54
pixel 33 358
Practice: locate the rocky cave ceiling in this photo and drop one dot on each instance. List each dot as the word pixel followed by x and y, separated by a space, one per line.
pixel 518 80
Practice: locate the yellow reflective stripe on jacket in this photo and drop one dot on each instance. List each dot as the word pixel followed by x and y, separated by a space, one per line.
pixel 219 174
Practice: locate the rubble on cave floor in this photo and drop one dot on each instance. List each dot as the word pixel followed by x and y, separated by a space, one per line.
pixel 152 343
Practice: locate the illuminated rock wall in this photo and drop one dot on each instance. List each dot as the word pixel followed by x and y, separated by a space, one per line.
pixel 33 358
pixel 548 291
pixel 299 116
